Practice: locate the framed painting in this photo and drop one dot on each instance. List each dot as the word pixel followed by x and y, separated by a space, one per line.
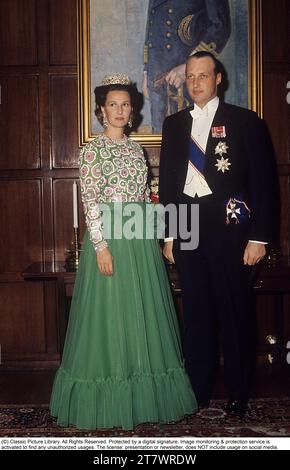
pixel 150 41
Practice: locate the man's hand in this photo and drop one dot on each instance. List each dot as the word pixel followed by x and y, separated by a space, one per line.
pixel 176 76
pixel 105 262
pixel 167 251
pixel 253 253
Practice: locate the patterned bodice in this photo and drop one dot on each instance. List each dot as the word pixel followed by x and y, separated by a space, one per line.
pixel 110 171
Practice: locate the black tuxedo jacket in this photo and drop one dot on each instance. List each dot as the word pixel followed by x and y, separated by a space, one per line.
pixel 249 174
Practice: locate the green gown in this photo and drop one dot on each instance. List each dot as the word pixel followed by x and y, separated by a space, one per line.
pixel 122 363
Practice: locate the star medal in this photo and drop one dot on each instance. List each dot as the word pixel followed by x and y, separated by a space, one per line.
pixel 223 164
pixel 221 148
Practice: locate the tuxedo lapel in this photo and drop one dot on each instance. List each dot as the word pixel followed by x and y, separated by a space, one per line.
pixel 184 134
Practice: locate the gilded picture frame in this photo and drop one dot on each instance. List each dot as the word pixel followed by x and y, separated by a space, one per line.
pixel 252 76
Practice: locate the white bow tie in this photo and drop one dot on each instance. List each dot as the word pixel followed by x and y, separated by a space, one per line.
pixel 198 113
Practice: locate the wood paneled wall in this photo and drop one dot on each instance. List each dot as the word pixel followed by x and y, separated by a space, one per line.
pixel 38 162
pixel 39 152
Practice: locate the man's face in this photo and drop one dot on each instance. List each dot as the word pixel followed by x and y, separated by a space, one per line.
pixel 201 80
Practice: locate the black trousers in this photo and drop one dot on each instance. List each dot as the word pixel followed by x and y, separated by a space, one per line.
pixel 216 295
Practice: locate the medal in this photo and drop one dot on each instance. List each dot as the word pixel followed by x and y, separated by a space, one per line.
pixel 222 164
pixel 221 148
pixel 233 211
pixel 218 132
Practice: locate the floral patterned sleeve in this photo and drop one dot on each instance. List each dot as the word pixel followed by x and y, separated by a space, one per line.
pixel 90 173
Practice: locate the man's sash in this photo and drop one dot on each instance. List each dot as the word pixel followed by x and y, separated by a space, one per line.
pixel 196 156
pixel 195 181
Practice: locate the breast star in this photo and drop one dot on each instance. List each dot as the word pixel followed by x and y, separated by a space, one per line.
pixel 223 164
pixel 221 148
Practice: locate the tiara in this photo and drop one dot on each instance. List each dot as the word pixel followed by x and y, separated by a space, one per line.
pixel 116 79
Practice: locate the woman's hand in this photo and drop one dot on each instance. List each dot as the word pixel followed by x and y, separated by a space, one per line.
pixel 105 262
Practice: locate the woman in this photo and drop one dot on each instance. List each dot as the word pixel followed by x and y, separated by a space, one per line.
pixel 122 363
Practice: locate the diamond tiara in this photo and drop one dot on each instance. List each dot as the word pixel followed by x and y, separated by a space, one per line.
pixel 116 79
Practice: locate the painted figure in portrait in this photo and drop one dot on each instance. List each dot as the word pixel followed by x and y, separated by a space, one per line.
pixel 174 31
pixel 154 39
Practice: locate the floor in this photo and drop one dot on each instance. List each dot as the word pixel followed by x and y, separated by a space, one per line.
pixel 34 387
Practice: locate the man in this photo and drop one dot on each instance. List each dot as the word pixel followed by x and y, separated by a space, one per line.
pixel 215 155
pixel 174 30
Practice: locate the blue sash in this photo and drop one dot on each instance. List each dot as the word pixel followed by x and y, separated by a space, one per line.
pixel 196 156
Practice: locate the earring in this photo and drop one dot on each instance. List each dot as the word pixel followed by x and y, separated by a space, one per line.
pixel 130 123
pixel 105 121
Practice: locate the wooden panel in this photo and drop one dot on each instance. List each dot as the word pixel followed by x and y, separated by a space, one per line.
pixel 286 321
pixel 18 44
pixel 266 323
pixel 285 213
pixel 42 31
pixel 63 217
pixel 19 123
pixel 21 224
pixel 272 320
pixel 277 113
pixel 47 233
pixel 51 312
pixel 276 30
pixel 22 318
pixel 64 121
pixel 63 31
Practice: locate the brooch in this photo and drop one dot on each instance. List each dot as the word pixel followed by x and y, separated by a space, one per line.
pixel 223 164
pixel 218 132
pixel 221 148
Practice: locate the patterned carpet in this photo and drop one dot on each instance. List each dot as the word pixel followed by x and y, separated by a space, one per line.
pixel 265 417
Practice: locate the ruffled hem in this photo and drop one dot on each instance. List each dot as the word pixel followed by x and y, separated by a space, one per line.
pixel 117 403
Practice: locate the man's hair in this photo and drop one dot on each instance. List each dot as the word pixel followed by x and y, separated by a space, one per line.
pixel 200 54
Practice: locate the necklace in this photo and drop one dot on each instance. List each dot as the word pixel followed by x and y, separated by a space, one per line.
pixel 121 140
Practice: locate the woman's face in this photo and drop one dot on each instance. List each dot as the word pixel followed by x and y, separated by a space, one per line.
pixel 117 108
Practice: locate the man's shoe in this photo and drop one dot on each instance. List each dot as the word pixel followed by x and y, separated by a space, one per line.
pixel 236 407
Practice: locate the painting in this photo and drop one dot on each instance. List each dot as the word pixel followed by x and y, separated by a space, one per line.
pixel 150 41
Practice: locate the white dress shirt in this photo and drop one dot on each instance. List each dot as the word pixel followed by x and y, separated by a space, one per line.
pixel 195 184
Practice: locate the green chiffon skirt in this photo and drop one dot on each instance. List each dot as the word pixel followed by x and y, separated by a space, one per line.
pixel 122 363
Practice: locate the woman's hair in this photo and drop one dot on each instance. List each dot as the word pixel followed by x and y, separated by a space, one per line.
pixel 101 93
